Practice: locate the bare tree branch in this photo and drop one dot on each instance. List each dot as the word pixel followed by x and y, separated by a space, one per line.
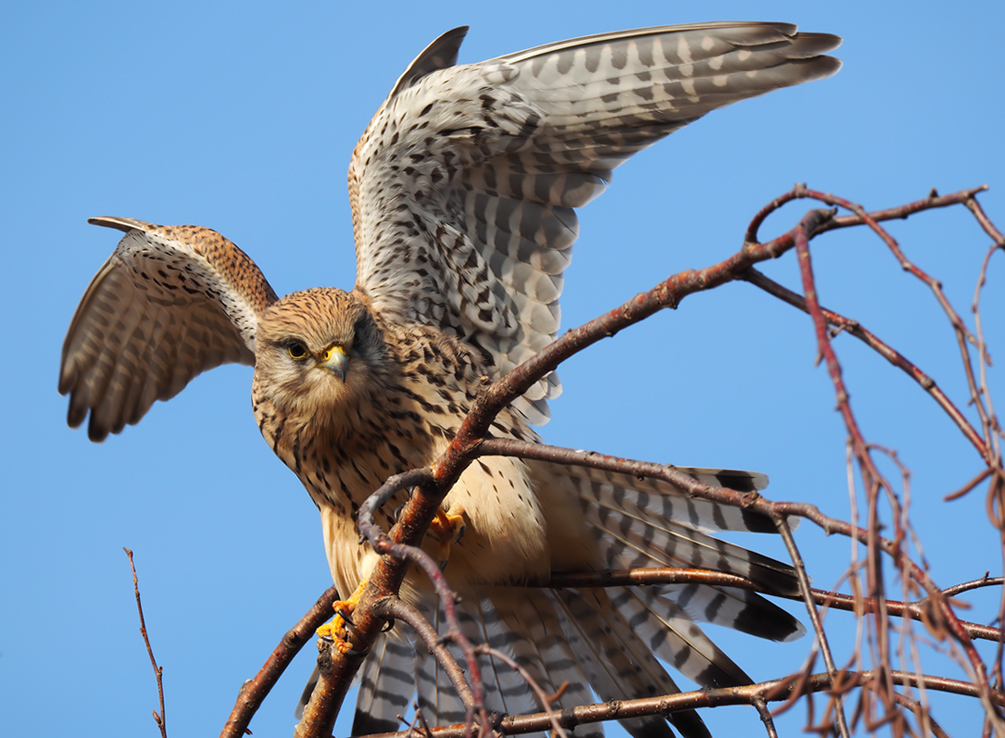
pixel 880 701
pixel 255 690
pixel 159 718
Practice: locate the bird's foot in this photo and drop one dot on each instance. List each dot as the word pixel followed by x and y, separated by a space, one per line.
pixel 343 615
pixel 448 528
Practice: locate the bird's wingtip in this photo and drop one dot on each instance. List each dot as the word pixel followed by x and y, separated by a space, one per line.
pixel 121 224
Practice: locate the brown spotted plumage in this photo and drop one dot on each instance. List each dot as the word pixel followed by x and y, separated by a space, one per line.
pixel 463 191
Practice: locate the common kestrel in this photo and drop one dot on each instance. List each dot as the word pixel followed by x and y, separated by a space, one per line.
pixel 463 190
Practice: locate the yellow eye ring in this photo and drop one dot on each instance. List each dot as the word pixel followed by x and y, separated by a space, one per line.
pixel 297 350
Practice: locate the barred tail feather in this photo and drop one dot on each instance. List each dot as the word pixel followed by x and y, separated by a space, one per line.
pixel 617 663
pixel 571 638
pixel 436 697
pixel 675 638
pixel 536 636
pixel 740 610
pixel 519 628
pixel 655 499
pixel 385 686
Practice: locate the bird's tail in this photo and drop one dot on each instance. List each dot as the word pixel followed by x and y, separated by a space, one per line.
pixel 607 642
pixel 574 645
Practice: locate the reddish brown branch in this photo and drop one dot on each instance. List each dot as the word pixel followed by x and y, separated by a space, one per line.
pixel 254 691
pixel 159 718
pixel 915 610
pixel 900 212
pixel 985 222
pixel 873 481
pixel 667 294
pixel 963 334
pixel 966 197
pixel 770 691
pixel 318 718
pixel 942 616
pixel 923 715
pixel 691 486
pixel 992 429
pixel 406 552
pixel 397 549
pixel 336 667
pixel 766 717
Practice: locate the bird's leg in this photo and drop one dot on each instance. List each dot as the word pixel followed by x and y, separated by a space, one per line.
pixel 448 528
pixel 343 610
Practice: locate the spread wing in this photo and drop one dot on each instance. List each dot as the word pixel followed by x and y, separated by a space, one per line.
pixel 170 302
pixel 464 185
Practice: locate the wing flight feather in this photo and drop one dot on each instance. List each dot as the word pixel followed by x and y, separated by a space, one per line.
pixel 465 184
pixel 170 303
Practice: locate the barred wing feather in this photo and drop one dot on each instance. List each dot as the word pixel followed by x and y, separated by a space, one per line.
pixel 465 184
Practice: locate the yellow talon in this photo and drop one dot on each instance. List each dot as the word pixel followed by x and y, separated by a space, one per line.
pixel 343 608
pixel 447 527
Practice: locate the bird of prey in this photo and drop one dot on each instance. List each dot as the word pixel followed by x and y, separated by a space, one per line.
pixel 463 191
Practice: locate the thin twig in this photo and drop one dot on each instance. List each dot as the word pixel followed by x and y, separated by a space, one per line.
pixel 872 479
pixel 825 598
pixel 980 477
pixel 542 697
pixel 900 212
pixel 856 329
pixel 818 628
pixel 385 545
pixel 397 549
pixel 975 207
pixel 923 716
pixel 765 714
pixel 393 607
pixel 159 718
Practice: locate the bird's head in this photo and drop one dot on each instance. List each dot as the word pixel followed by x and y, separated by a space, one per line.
pixel 317 351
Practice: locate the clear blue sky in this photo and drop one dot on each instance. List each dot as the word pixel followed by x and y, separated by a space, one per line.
pixel 242 117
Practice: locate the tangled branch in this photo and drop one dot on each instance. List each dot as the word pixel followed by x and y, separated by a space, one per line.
pixel 881 701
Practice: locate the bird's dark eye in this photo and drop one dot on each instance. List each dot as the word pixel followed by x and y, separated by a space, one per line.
pixel 297 350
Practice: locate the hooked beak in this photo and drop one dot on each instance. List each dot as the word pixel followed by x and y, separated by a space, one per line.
pixel 336 361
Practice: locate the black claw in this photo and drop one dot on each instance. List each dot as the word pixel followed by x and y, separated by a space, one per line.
pixel 344 614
